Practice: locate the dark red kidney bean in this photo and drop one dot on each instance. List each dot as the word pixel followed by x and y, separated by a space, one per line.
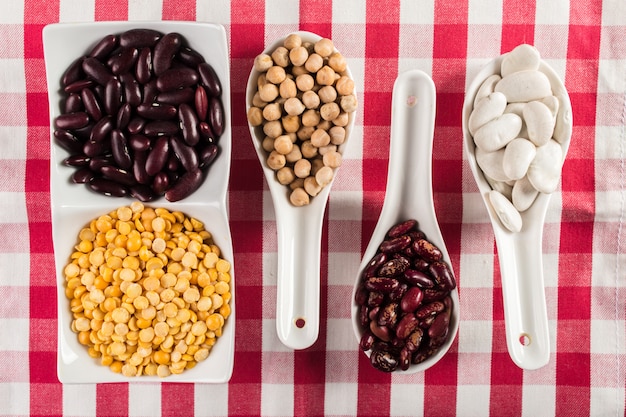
pixel 360 295
pixel 97 71
pixel 104 47
pixel 407 325
pixel 123 116
pixel 102 130
pixel 185 185
pixel 73 103
pixel 427 250
pixel 205 132
pixel 176 97
pixel 107 187
pixel 142 192
pixel 414 340
pixel 97 162
pixel 72 121
pixel 139 167
pixel 78 85
pixel 158 156
pixel 131 88
pixel 372 313
pixel 430 309
pixel 150 92
pixel 439 328
pixel 136 125
pixel 176 78
pixel 91 104
pixel 164 52
pixel 139 142
pixel 185 154
pixel 412 300
pixel 367 340
pixel 381 332
pixel 216 116
pixel 77 160
pixel 139 38
pixel 402 228
pixel 155 111
pixel 73 73
pixel 381 284
pixel 396 244
pixel 442 275
pixel 394 267
pixel 82 175
pixel 160 128
pixel 201 102
pixel 160 183
pixel 83 133
pixel 189 124
pixel 93 148
pixel 388 315
pixel 418 278
pixel 119 148
pixel 143 66
pixel 383 361
pixel 112 96
pixel 173 163
pixel 123 61
pixel 68 141
pixel 210 80
pixel 207 155
pixel 118 175
pixel 189 57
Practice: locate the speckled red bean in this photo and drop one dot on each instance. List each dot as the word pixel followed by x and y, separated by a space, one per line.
pixel 381 284
pixel 442 275
pixel 426 250
pixel 418 278
pixel 402 228
pixel 395 244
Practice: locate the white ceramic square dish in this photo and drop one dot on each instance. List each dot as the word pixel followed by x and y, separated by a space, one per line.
pixel 74 205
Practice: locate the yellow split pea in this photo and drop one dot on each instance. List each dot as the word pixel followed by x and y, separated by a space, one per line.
pixel 148 290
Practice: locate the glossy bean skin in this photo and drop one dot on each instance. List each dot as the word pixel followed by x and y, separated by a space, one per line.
pixel 126 100
pixel 404 299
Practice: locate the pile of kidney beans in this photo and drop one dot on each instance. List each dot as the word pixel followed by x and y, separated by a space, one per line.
pixel 141 116
pixel 404 299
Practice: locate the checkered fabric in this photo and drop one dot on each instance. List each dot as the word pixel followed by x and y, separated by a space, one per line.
pixel 584 239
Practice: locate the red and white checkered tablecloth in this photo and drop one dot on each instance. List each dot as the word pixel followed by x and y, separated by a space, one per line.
pixel 584 238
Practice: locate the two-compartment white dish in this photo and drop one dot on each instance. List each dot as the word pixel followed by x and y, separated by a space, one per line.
pixel 74 205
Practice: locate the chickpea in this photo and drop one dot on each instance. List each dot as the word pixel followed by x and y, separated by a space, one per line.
pixel 328 111
pixel 304 82
pixel 287 88
pixel 263 62
pixel 323 150
pixel 344 85
pixel 311 186
pixel 281 56
pixel 332 159
pixel 273 128
pixel 294 156
pixel 292 40
pixel 276 160
pixel 324 125
pixel 327 94
pixel 291 123
pixel 305 132
pixel 337 62
pixel 337 135
pixel 308 149
pixel 324 176
pixel 268 144
pixel 283 144
pixel 349 103
pixel 299 197
pixel 272 112
pixel 268 92
pixel 257 102
pixel 298 70
pixel 324 47
pixel 314 62
pixel 302 168
pixel 325 76
pixel 320 138
pixel 342 120
pixel 316 164
pixel 285 175
pixel 310 118
pixel 310 99
pixel 293 106
pixel 275 75
pixel 298 56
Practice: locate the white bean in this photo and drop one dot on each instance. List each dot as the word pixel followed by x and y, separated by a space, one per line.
pixel 524 86
pixel 498 132
pixel 544 171
pixel 506 212
pixel 518 155
pixel 539 122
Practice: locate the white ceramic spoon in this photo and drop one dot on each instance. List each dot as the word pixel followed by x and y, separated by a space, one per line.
pixel 299 241
pixel 409 192
pixel 520 254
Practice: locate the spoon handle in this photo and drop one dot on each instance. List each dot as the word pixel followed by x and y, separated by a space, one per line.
pixel 521 267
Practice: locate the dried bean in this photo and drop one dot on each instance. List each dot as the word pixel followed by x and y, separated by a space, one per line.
pixel 394 267
pixel 396 244
pixel 107 187
pixel 381 284
pixel 186 185
pixel 139 38
pixel 388 315
pixel 185 154
pixel 216 116
pixel 383 361
pixel 164 52
pixel 123 61
pixel 440 271
pixel 97 71
pixel 91 104
pixel 427 250
pixel 210 79
pixel 118 175
pixel 418 278
pixel 72 121
pixel 402 228
pixel 411 300
pixel 157 156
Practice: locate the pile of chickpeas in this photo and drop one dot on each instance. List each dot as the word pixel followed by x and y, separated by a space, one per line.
pixel 148 290
pixel 303 103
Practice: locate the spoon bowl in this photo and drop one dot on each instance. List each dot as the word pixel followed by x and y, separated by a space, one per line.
pixel 409 192
pixel 299 233
pixel 520 253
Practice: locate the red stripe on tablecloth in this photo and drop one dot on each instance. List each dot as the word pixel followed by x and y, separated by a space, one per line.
pixel 112 399
pixel 245 387
pixel 177 400
pixel 104 10
pixel 517 24
pixel 316 17
pixel 179 10
pixel 573 362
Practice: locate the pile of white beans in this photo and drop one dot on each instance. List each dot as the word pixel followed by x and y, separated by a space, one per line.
pixel 518 142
